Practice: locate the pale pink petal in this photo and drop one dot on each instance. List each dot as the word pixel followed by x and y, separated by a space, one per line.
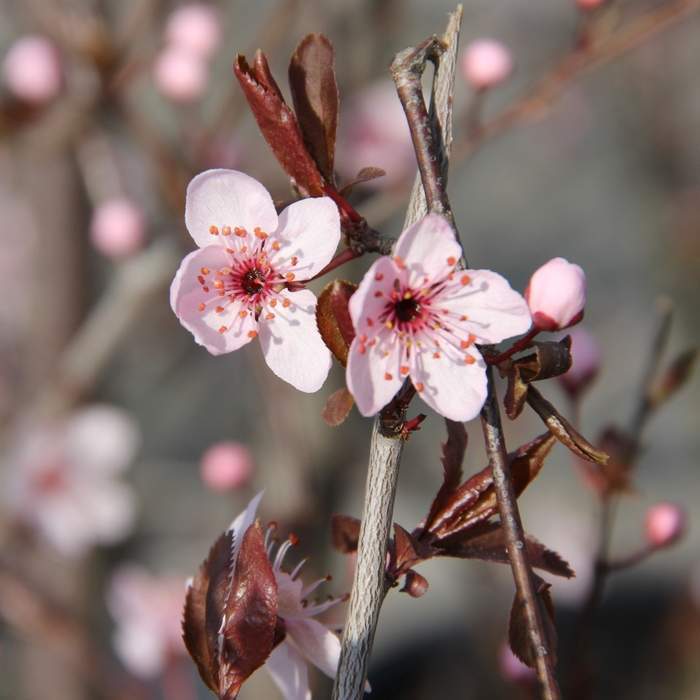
pixel 289 595
pixel 494 310
pixel 288 670
pixel 100 438
pixel 218 331
pixel 291 343
pixel 429 249
pixel 373 373
pixel 370 298
pixel 317 643
pixel 453 388
pixel 226 198
pixel 308 232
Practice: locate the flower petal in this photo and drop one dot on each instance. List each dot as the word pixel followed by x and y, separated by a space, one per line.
pixel 317 643
pixel 218 331
pixel 494 310
pixel 288 670
pixel 308 233
pixel 450 386
pixel 226 198
pixel 291 343
pixel 428 249
pixel 371 297
pixel 372 374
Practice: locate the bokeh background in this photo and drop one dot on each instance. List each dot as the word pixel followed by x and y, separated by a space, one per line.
pixel 607 176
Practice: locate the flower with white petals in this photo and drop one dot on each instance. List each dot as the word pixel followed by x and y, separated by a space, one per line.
pixel 63 479
pixel 417 314
pixel 243 282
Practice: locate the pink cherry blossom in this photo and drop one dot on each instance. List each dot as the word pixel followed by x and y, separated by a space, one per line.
pixel 32 69
pixel 64 479
pixel 665 523
pixel 180 75
pixel 117 228
pixel 194 27
pixel 588 5
pixel 242 283
pixel 147 610
pixel 418 315
pixel 226 465
pixel 556 295
pixel 307 640
pixel 485 63
pixel 585 361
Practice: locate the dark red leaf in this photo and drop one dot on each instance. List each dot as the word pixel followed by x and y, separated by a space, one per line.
pixel 415 584
pixel 365 175
pixel 563 430
pixel 278 124
pixel 337 408
pixel 518 630
pixel 316 99
pixel 405 549
pixel 251 614
pixel 333 318
pixel 345 531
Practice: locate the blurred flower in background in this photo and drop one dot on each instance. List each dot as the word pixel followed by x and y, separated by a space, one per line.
pixel 485 63
pixel 226 465
pixel 32 69
pixel 63 479
pixel 118 228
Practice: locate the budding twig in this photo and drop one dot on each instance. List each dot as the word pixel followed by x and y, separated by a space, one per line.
pixel 369 584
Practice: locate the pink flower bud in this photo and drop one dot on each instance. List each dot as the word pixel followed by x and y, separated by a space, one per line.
pixel 179 74
pixel 226 465
pixel 513 669
pixel 665 523
pixel 32 69
pixel 556 295
pixel 194 28
pixel 486 63
pixel 589 5
pixel 118 228
pixel 585 361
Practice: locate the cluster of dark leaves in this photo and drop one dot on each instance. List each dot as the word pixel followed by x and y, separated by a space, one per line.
pixel 462 522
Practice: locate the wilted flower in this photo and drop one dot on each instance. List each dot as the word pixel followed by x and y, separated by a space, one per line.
pixel 32 69
pixel 417 315
pixel 63 479
pixel 180 75
pixel 664 523
pixel 195 28
pixel 117 228
pixel 243 281
pixel 485 63
pixel 226 465
pixel 243 611
pixel 556 294
pixel 147 610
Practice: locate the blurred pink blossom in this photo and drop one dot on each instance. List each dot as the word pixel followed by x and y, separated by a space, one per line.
pixel 148 613
pixel 180 75
pixel 588 5
pixel 585 361
pixel 226 465
pixel 665 523
pixel 374 132
pixel 417 315
pixel 63 479
pixel 485 63
pixel 233 289
pixel 117 228
pixel 556 295
pixel 32 69
pixel 513 669
pixel 194 28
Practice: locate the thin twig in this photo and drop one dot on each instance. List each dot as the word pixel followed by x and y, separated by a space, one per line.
pixel 369 584
pixel 515 538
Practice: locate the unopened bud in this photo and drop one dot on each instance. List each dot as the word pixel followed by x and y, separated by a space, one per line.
pixel 665 524
pixel 226 465
pixel 118 228
pixel 486 63
pixel 556 295
pixel 195 28
pixel 179 74
pixel 585 361
pixel 32 70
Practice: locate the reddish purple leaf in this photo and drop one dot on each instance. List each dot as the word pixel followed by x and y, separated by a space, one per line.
pixel 365 175
pixel 345 531
pixel 316 99
pixel 278 124
pixel 333 318
pixel 338 407
pixel 405 549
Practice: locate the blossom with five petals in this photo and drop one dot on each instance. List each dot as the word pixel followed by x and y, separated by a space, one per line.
pixel 242 283
pixel 417 314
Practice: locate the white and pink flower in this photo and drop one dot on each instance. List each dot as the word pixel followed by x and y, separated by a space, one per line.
pixel 63 479
pixel 417 314
pixel 556 294
pixel 243 282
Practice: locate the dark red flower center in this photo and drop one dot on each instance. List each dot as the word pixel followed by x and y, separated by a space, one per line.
pixel 406 309
pixel 253 281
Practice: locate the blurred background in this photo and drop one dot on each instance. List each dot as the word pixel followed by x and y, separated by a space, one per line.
pixel 127 448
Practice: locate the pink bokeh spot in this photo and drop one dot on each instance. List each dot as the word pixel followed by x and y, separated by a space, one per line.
pixel 485 63
pixel 556 295
pixel 195 28
pixel 417 315
pixel 585 361
pixel 226 465
pixel 244 281
pixel 665 523
pixel 117 229
pixel 32 69
pixel 180 75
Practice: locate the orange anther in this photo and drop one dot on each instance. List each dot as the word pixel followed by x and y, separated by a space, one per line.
pixel 226 230
pixel 295 260
pixel 240 232
pixel 219 309
pixel 451 261
pixel 388 376
pixel 379 277
pixel 269 316
pixel 259 233
pixel 222 329
pixel 200 279
pixel 242 314
pixel 286 303
pixel 290 277
pixel 362 348
pixel 378 294
pixel 205 271
pixel 399 262
pixel 214 230
pixel 469 360
pixel 436 355
pixel 218 284
pixel 202 307
pixel 403 369
pixel 389 324
pixel 205 289
pixel 419 387
pixel 276 245
pixel 465 280
pixel 273 303
pixel 252 334
pixel 370 322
